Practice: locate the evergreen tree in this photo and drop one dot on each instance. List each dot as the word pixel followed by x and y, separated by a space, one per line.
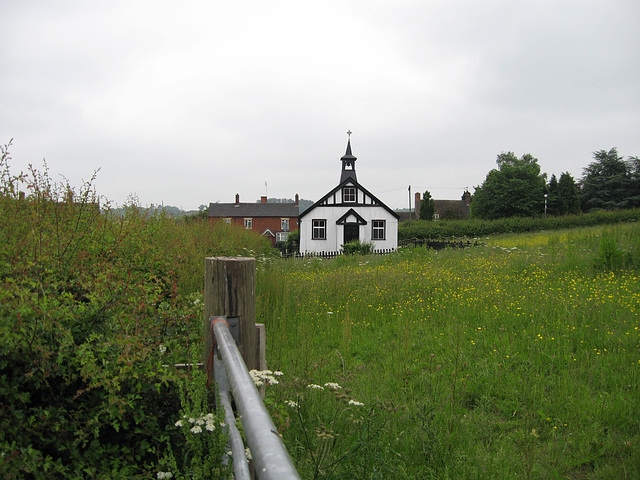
pixel 605 182
pixel 553 197
pixel 568 192
pixel 427 206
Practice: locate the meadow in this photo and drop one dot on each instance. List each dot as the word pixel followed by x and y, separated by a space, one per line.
pixel 516 359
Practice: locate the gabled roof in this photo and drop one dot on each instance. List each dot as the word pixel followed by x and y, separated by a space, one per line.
pixel 375 202
pixel 280 210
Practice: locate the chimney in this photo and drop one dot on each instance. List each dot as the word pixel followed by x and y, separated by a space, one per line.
pixel 263 199
pixel 237 199
pixel 417 204
pixel 466 197
pixel 297 199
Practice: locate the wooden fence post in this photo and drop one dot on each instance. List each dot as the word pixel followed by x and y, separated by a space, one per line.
pixel 229 290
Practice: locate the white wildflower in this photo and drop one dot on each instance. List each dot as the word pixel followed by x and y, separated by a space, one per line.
pixel 192 420
pixel 210 426
pixel 278 373
pixel 332 386
pixel 291 403
pixel 260 377
pixel 164 475
pixel 356 403
pixel 196 429
pixel 179 423
pixel 315 387
pixel 162 348
pixel 247 453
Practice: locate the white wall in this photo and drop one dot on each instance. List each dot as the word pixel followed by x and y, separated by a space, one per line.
pixel 335 233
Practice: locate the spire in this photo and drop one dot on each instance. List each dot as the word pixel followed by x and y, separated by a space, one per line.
pixel 348 163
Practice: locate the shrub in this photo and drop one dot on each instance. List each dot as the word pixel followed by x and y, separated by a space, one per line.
pixel 356 247
pixel 472 228
pixel 93 307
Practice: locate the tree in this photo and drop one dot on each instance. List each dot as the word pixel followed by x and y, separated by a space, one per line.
pixel 633 168
pixel 568 191
pixel 427 206
pixel 606 183
pixel 553 197
pixel 515 188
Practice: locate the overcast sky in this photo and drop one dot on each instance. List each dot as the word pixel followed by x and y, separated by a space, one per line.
pixel 191 102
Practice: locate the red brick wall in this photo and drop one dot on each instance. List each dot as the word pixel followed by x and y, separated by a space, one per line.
pixel 260 224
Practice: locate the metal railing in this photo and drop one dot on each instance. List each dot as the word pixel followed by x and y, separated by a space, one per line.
pixel 270 457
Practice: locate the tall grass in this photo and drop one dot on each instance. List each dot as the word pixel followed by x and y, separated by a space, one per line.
pixel 519 359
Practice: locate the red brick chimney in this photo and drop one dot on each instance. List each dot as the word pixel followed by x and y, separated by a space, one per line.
pixel 263 199
pixel 237 199
pixel 297 199
pixel 417 204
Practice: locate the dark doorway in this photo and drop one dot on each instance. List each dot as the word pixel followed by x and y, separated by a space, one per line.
pixel 351 232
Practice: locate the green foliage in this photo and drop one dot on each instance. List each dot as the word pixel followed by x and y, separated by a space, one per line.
pixel 516 188
pixel 569 201
pixel 93 306
pixel 356 247
pixel 427 206
pixel 475 228
pixel 610 182
pixel 201 427
pixel 292 245
pixel 329 433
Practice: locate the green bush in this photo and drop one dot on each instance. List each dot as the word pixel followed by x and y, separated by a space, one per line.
pixel 356 247
pixel 473 228
pixel 94 307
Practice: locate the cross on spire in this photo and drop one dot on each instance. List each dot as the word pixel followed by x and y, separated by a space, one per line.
pixel 349 133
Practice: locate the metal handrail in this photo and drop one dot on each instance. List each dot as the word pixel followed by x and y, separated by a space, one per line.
pixel 269 454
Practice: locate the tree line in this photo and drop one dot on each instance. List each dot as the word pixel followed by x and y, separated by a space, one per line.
pixel 518 188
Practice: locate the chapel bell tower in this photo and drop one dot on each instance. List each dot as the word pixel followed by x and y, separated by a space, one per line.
pixel 348 163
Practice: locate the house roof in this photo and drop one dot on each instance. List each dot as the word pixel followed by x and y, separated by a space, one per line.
pixel 348 177
pixel 282 210
pixel 348 181
pixel 441 206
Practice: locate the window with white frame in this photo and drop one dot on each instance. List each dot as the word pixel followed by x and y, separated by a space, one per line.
pixel 349 195
pixel 319 230
pixel 282 236
pixel 378 229
pixel 284 224
pixel 248 223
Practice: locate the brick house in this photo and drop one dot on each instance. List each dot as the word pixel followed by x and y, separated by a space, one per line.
pixel 273 220
pixel 448 209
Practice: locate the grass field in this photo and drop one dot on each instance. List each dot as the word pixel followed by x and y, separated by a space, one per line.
pixel 517 359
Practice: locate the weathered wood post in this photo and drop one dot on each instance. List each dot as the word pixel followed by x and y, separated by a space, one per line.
pixel 229 290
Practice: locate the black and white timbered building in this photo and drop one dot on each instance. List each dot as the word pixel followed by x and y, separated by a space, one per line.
pixel 348 212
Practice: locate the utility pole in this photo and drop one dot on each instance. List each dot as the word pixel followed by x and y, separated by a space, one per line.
pixel 409 202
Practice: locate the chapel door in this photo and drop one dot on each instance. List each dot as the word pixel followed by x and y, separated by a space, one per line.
pixel 351 232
